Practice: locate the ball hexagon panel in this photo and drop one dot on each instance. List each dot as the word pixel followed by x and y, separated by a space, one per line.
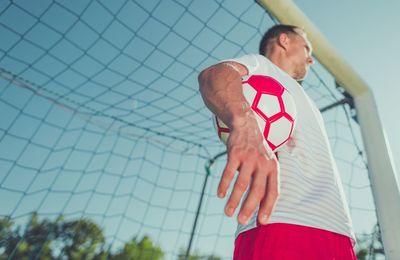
pixel 249 93
pixel 268 106
pixel 279 131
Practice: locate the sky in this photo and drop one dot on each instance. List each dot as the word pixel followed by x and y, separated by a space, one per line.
pixel 367 36
pixel 105 119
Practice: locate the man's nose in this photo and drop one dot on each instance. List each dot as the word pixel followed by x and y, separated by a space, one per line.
pixel 310 60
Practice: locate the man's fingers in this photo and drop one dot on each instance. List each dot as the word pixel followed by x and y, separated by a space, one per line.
pixel 256 193
pixel 232 165
pixel 270 198
pixel 241 184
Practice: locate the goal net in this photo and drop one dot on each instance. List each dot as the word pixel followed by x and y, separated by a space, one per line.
pixel 101 119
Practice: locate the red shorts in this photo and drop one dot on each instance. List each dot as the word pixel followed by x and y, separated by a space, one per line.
pixel 292 242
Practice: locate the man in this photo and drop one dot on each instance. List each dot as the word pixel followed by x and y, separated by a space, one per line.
pixel 294 208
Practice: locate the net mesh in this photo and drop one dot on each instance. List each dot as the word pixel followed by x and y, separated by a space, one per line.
pixel 101 117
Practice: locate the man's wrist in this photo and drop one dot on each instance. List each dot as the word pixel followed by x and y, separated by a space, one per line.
pixel 241 114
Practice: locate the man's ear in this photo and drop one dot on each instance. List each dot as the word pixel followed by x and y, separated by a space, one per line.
pixel 283 40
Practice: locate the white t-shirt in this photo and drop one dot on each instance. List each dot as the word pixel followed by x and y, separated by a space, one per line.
pixel 311 192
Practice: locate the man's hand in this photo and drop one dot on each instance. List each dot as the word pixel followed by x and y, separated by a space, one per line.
pixel 258 170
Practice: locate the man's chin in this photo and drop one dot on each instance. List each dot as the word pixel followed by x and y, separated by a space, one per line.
pixel 300 76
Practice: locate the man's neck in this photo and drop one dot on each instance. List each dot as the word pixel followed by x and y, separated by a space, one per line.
pixel 280 62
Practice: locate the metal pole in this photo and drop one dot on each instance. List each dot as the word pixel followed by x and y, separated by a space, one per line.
pixel 208 173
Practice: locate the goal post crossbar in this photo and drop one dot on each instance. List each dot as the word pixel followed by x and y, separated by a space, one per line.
pixel 381 168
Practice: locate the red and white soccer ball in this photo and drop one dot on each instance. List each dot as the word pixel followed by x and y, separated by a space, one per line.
pixel 273 106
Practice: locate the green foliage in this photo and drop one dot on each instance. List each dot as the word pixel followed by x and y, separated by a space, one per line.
pixel 62 239
pixel 196 256
pixel 144 250
pixel 76 239
pixel 46 239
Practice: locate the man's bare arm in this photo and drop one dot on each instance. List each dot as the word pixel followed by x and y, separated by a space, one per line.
pixel 221 89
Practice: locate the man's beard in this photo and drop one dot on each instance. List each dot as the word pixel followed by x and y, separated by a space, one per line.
pixel 300 73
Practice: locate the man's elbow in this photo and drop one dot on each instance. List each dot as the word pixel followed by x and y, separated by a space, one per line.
pixel 201 77
pixel 213 72
pixel 204 77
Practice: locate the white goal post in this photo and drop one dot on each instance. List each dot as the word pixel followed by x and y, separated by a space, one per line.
pixel 381 169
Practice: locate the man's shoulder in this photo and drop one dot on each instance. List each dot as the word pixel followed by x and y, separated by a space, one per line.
pixel 261 60
pixel 253 56
pixel 254 62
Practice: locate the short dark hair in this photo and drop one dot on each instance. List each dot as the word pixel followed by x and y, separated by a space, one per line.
pixel 273 33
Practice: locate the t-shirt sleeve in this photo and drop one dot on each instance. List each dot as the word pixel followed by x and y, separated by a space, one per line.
pixel 250 61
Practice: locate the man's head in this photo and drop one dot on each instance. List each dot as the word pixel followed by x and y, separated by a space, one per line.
pixel 288 47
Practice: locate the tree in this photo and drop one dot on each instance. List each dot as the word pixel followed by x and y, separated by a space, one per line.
pixel 196 256
pixel 67 239
pixel 81 239
pixel 33 242
pixel 142 250
pixel 8 238
pixel 47 239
